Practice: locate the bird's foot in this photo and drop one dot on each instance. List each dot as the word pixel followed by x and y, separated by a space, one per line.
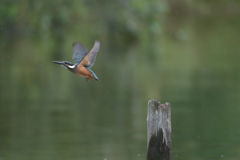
pixel 88 79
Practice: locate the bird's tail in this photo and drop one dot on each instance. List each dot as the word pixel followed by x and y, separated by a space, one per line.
pixel 93 74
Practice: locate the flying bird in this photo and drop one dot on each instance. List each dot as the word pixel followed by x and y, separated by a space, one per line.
pixel 83 60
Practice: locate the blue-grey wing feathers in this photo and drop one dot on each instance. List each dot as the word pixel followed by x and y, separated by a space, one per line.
pixel 79 51
pixel 93 54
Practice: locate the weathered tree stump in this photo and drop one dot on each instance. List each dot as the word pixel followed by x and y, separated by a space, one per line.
pixel 159 144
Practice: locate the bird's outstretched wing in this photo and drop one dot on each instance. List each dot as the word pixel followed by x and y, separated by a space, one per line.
pixel 89 59
pixel 79 51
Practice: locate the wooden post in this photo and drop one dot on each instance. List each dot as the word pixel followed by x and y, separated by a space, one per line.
pixel 159 144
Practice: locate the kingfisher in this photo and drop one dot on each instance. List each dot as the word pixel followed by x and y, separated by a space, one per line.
pixel 83 60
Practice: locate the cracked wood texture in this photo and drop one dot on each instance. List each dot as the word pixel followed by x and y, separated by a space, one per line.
pixel 159 144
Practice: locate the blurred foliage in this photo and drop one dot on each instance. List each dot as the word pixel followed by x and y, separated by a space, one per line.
pixel 132 33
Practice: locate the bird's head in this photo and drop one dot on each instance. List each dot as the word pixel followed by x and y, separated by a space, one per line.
pixel 65 64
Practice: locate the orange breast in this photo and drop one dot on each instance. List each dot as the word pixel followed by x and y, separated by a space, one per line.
pixel 80 70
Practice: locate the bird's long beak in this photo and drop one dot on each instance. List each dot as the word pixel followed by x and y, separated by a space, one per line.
pixel 57 62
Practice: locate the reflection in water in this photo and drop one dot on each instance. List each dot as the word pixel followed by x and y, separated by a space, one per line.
pixel 48 113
